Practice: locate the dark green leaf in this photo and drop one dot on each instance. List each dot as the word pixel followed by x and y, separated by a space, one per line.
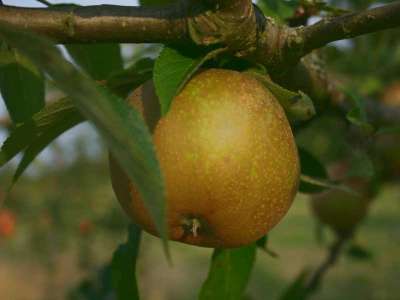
pixel 173 68
pixel 125 81
pixel 388 130
pixel 359 252
pixel 62 115
pixel 122 127
pixel 123 266
pixel 21 85
pixel 43 139
pixel 262 242
pixel 278 9
pixel 98 60
pixel 357 115
pixel 229 274
pixel 297 289
pixel 310 166
pixel 96 286
pixel 56 117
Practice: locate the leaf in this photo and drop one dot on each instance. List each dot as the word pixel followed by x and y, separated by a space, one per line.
pixel 124 81
pixel 42 140
pixel 21 85
pixel 358 252
pixel 95 286
pixel 310 166
pixel 123 266
pixel 120 125
pixel 297 290
pixel 173 68
pixel 54 116
pixel 357 115
pixel 388 130
pixel 63 115
pixel 278 9
pixel 298 106
pixel 229 273
pixel 98 60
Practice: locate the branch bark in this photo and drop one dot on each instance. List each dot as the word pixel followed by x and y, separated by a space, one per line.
pixel 234 24
pixel 350 25
pixel 102 23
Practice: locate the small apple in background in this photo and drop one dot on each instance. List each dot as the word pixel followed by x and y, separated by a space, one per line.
pixel 342 210
pixel 7 223
pixel 391 94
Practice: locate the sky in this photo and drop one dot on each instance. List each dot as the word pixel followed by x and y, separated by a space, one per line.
pixel 34 3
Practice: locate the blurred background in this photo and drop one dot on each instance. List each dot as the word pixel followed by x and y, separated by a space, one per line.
pixel 60 223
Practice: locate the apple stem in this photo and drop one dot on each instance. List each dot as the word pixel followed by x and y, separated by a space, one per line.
pixel 192 225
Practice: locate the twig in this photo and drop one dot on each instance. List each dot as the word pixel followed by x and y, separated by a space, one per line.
pixel 330 261
pixel 351 25
pixel 44 2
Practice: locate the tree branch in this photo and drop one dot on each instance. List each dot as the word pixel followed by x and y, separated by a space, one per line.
pixel 330 261
pixel 350 25
pixel 235 24
pixel 102 23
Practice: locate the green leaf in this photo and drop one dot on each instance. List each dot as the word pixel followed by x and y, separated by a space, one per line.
pixel 262 242
pixel 358 252
pixel 43 139
pixel 298 106
pixel 388 130
pixel 278 9
pixel 357 115
pixel 123 266
pixel 125 81
pixel 21 85
pixel 310 166
pixel 121 126
pixel 173 68
pixel 297 290
pixel 229 273
pixel 55 117
pixel 98 60
pixel 61 116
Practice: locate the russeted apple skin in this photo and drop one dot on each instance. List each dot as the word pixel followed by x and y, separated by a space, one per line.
pixel 228 157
